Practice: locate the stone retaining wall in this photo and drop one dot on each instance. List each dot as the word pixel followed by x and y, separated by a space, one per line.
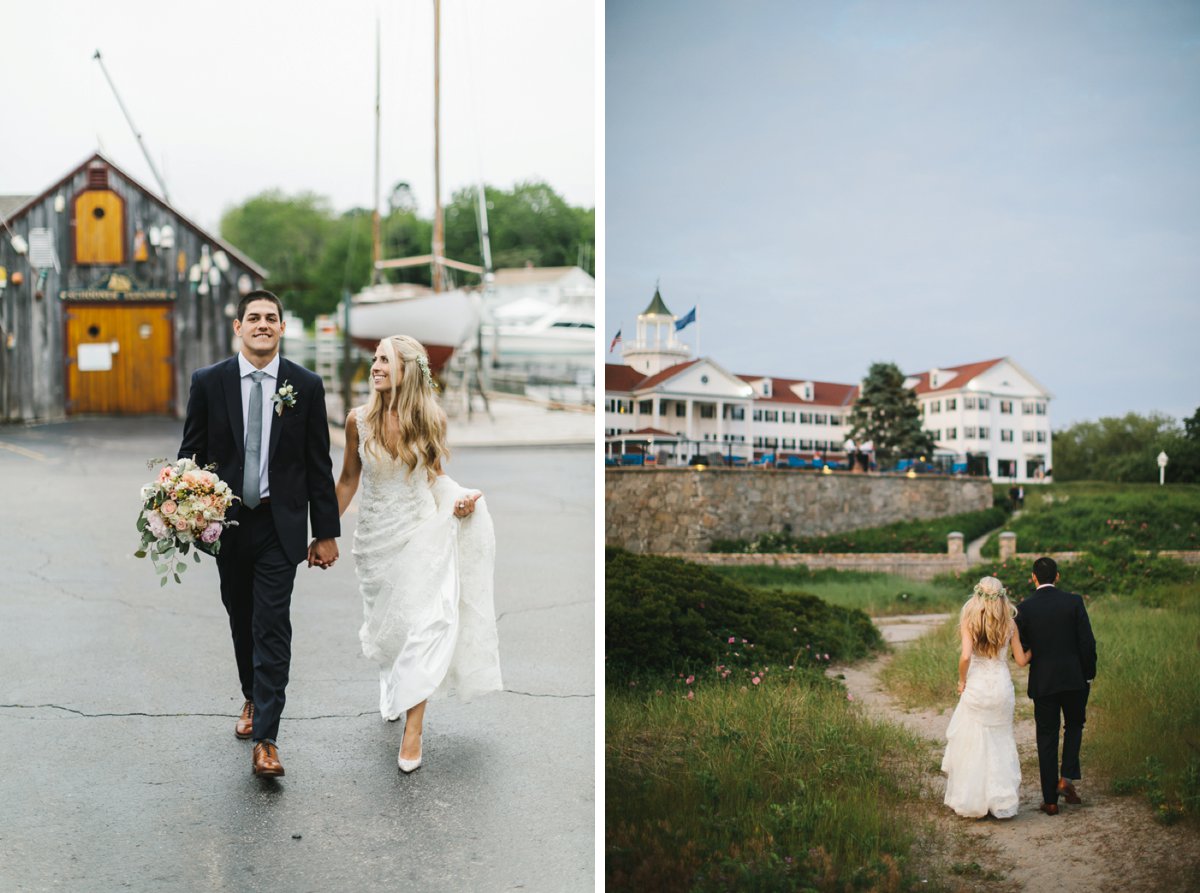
pixel 665 510
pixel 911 565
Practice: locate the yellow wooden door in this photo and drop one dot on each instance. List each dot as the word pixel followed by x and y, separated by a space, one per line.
pixel 99 227
pixel 119 359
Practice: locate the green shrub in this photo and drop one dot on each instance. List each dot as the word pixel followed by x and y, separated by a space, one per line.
pixel 665 615
pixel 902 536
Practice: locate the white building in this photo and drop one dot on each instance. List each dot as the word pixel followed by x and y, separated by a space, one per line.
pixel 991 417
pixel 992 412
pixel 569 287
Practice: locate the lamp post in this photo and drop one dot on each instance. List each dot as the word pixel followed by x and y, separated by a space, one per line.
pixel 1162 467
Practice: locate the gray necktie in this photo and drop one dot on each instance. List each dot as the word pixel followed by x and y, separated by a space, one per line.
pixel 252 477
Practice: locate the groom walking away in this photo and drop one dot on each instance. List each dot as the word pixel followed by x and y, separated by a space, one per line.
pixel 1054 625
pixel 261 420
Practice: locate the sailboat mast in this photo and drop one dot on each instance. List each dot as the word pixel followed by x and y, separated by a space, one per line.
pixel 439 240
pixel 376 273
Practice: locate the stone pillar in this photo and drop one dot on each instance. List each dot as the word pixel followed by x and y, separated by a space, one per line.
pixel 954 543
pixel 1008 545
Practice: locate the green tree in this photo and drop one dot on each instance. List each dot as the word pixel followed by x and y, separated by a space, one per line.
pixel 1125 449
pixel 287 236
pixel 529 224
pixel 887 413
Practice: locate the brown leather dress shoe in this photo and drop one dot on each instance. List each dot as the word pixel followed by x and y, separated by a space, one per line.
pixel 245 724
pixel 1067 791
pixel 266 760
pixel 1049 808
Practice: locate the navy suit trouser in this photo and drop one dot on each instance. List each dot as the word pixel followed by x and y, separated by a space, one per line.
pixel 1071 708
pixel 256 588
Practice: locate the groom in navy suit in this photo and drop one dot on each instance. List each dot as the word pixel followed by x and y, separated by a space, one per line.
pixel 1054 625
pixel 261 420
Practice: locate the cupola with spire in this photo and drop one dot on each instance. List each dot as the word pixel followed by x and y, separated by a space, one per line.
pixel 655 348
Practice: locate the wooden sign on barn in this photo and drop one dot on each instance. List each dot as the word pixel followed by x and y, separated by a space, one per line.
pixel 109 298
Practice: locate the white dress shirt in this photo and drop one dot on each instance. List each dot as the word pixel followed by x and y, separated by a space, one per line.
pixel 269 387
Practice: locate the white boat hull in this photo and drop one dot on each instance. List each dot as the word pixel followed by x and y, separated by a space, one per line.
pixel 441 321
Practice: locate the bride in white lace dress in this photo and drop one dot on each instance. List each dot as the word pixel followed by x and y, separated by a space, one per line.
pixel 983 773
pixel 424 548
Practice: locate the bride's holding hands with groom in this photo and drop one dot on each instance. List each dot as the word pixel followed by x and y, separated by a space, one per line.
pixel 424 569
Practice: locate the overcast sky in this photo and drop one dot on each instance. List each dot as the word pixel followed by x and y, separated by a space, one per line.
pixel 837 183
pixel 235 98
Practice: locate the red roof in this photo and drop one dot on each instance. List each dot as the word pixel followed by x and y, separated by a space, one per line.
pixel 618 377
pixel 825 393
pixel 962 375
pixel 655 432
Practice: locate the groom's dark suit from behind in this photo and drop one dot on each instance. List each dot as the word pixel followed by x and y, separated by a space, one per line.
pixel 1054 625
pixel 258 558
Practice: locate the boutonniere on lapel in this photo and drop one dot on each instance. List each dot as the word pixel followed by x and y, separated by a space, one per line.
pixel 284 398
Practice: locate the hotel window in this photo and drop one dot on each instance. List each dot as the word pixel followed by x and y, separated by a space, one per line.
pixel 758 441
pixel 968 402
pixel 789 417
pixel 968 433
pixel 951 403
pixel 737 413
pixel 984 402
pixel 952 434
pixel 820 419
pixel 835 420
pixel 772 442
pixel 806 444
pixel 1041 437
pixel 1027 436
pixel 1027 407
pixel 935 406
pixel 985 433
pixel 1041 408
pixel 708 410
pixel 1005 435
pixel 1006 407
pixel 758 414
pixel 680 410
pixel 805 418
pixel 789 443
pixel 771 415
pixel 935 433
pixel 645 407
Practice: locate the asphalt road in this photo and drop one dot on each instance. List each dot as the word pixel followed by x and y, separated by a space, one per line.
pixel 118 698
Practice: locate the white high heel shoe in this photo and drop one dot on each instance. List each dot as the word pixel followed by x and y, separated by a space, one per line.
pixel 408 767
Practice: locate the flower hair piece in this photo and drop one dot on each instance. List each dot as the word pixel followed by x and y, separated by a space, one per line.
pixel 990 595
pixel 423 362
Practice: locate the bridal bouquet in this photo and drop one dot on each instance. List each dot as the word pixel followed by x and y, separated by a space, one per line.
pixel 184 507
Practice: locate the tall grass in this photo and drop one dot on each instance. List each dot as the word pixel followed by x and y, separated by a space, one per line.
pixel 876 594
pixel 1083 516
pixel 782 786
pixel 1143 729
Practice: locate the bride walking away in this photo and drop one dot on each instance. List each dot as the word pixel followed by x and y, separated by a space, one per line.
pixel 983 773
pixel 424 548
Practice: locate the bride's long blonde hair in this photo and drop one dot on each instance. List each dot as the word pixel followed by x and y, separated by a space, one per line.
pixel 988 617
pixel 420 432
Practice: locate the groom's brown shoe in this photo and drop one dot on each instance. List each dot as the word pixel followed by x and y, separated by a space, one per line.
pixel 1049 808
pixel 266 760
pixel 1067 791
pixel 245 724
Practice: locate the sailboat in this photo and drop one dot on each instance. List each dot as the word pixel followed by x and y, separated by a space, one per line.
pixel 442 318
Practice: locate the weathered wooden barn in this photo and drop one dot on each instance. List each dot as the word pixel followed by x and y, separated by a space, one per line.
pixel 109 298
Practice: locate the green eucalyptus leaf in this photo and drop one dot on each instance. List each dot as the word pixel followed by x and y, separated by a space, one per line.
pixel 162 582
pixel 196 555
pixel 140 553
pixel 177 580
pixel 180 568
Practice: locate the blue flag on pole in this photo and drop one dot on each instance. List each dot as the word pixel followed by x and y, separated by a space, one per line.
pixel 681 324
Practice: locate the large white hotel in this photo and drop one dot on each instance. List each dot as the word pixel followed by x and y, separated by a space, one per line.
pixel 990 417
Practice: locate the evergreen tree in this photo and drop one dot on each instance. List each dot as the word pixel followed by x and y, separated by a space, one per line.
pixel 887 414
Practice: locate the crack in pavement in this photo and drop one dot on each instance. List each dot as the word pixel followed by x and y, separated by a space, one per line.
pixel 85 715
pixel 582 601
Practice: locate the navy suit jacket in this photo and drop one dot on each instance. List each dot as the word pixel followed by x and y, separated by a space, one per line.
pixel 299 468
pixel 1054 625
